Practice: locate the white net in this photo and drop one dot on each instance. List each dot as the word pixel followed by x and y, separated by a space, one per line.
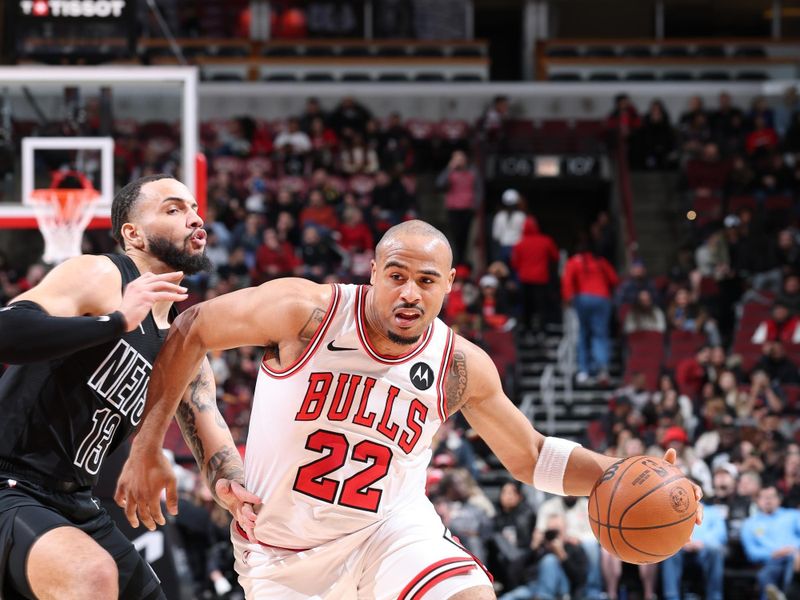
pixel 63 215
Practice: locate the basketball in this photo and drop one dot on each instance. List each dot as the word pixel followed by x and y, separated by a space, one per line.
pixel 642 509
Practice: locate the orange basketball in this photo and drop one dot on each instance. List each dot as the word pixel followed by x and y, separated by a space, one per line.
pixel 642 509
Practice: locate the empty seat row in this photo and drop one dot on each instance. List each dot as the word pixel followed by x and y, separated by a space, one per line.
pixel 671 51
pixel 666 76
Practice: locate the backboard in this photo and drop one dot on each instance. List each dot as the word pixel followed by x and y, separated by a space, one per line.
pixel 111 123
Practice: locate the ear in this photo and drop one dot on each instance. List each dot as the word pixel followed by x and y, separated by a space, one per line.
pixel 373 272
pixel 133 236
pixel 450 278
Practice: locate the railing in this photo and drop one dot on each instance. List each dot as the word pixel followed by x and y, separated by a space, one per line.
pixel 626 196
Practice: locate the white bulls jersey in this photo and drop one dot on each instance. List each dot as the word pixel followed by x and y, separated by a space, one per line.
pixel 341 438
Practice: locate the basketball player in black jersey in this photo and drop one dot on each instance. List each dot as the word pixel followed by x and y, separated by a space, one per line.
pixel 81 345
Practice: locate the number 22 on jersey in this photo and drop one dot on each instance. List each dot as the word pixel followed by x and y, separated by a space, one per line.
pixel 355 491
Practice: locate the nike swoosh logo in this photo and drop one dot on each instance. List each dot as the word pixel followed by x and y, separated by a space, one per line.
pixel 333 348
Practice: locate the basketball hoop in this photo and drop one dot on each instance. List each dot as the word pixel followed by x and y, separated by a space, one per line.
pixel 63 215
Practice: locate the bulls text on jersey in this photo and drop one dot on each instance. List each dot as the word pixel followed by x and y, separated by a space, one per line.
pixel 341 406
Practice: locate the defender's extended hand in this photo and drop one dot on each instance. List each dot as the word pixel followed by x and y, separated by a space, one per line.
pixel 139 489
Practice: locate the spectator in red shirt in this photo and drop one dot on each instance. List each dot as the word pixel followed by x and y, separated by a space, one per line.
pixel 318 212
pixel 763 137
pixel 587 284
pixel 531 259
pixel 781 326
pixel 274 258
pixel 354 234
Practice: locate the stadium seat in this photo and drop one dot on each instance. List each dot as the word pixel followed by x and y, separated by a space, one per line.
pixel 709 51
pixel 600 52
pixel 319 77
pixel 319 51
pixel 750 52
pixel 640 76
pixel 714 76
pixel 673 51
pixel 393 77
pixel 453 129
pixel 280 77
pixel 429 77
pixel 752 76
pixel 562 52
pixel 604 76
pixel 677 76
pixel 467 77
pixel 391 51
pixel 355 77
pixel 431 51
pixel 637 51
pixel 355 51
pixel 467 51
pixel 276 51
pixel 564 76
pixel 737 203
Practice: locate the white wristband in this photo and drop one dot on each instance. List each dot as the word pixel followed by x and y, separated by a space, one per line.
pixel 548 475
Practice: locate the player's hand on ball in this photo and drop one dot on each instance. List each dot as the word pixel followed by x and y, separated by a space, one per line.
pixel 671 456
pixel 139 489
pixel 240 503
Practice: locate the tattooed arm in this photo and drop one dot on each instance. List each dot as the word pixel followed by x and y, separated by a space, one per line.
pixel 274 314
pixel 206 432
pixel 473 386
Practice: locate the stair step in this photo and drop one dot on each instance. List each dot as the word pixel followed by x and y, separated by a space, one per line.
pixel 570 412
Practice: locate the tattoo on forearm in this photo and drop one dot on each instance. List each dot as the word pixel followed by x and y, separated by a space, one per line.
pixel 202 397
pixel 313 323
pixel 456 383
pixel 188 425
pixel 225 463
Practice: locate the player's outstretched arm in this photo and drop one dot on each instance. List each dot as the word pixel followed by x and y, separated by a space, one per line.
pixel 262 316
pixel 558 466
pixel 77 306
pixel 474 387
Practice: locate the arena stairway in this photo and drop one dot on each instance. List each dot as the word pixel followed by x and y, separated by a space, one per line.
pixel 574 406
pixel 659 217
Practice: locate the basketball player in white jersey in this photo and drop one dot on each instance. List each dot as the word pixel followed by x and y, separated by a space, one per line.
pixel 354 384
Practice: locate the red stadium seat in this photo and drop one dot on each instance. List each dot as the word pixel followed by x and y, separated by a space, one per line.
pixel 453 129
pixel 228 164
pixel 421 129
pixel 737 203
pixel 362 185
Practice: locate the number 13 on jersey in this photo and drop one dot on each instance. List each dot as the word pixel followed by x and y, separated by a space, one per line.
pixel 355 491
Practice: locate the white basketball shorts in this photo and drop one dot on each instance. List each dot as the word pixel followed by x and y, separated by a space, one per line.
pixel 408 556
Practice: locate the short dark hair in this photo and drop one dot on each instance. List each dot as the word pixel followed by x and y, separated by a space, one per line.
pixel 124 202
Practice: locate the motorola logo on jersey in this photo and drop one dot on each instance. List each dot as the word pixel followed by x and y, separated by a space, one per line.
pixel 122 379
pixel 421 376
pixel 73 8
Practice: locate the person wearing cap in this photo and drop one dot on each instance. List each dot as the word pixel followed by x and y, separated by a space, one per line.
pixel 694 467
pixel 531 260
pixel 507 226
pixel 706 549
pixel 493 306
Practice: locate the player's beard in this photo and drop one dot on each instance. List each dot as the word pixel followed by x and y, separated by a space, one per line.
pixel 396 338
pixel 178 258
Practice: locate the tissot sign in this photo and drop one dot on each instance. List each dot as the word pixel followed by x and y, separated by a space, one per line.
pixel 73 8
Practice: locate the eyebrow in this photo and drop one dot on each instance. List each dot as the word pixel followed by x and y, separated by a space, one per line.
pixel 396 264
pixel 181 200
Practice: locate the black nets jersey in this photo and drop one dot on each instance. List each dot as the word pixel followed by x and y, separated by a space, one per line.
pixel 59 418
